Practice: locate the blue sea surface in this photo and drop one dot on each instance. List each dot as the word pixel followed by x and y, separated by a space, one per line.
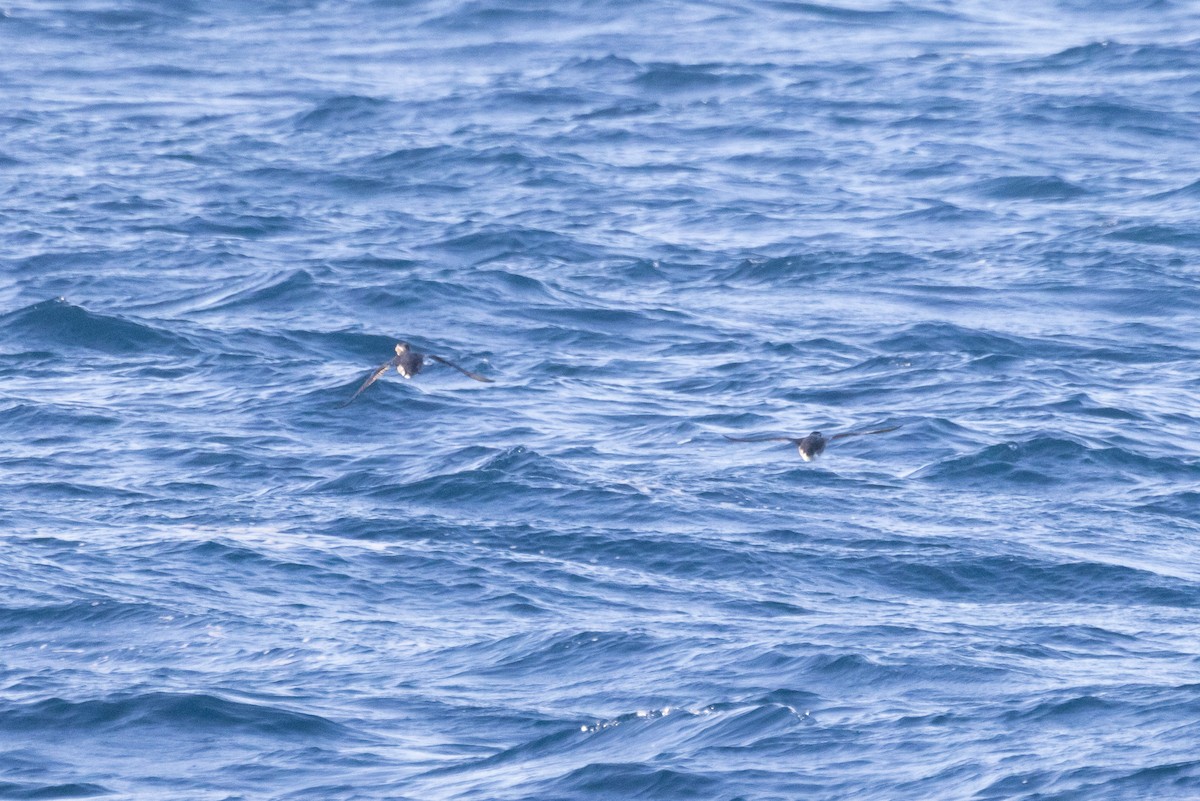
pixel 652 225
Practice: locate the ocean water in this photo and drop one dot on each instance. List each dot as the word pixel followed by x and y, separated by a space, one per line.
pixel 653 225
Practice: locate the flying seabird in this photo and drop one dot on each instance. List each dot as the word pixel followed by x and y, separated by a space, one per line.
pixel 408 363
pixel 814 444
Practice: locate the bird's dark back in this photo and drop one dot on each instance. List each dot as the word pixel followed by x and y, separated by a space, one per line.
pixel 409 363
pixel 813 445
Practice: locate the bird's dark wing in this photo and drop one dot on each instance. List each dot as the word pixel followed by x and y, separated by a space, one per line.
pixel 760 439
pixel 467 373
pixel 372 378
pixel 862 433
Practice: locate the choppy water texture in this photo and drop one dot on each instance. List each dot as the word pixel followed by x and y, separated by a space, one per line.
pixel 652 225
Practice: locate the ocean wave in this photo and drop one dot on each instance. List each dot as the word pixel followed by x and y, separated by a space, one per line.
pixel 1115 57
pixel 817 266
pixel 1107 114
pixel 54 419
pixel 496 242
pixel 66 327
pixel 670 78
pixel 186 714
pixel 337 113
pixel 1184 504
pixel 1028 187
pixel 1052 461
pixel 16 791
pixel 635 780
pixel 282 291
pixel 842 14
pixel 484 16
pixel 1017 579
pixel 85 613
pixel 1173 236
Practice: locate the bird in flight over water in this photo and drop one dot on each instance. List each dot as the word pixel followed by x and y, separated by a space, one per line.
pixel 814 444
pixel 408 363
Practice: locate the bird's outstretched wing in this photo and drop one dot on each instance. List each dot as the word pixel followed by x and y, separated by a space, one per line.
pixel 862 433
pixel 467 373
pixel 372 378
pixel 760 439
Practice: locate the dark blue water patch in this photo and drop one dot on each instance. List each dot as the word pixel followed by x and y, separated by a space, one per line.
pixel 486 287
pixel 141 18
pixel 69 329
pixel 620 324
pixel 315 579
pixel 519 478
pixel 1109 114
pixel 549 100
pixel 610 69
pixel 1114 57
pixel 1172 780
pixel 1083 405
pixel 48 421
pixel 342 113
pixel 621 109
pixel 414 293
pixel 707 79
pixel 119 202
pixel 234 225
pixel 80 261
pixel 735 728
pixel 78 616
pixel 1054 461
pixel 1184 505
pixel 502 283
pixel 988 579
pixel 764 609
pixel 19 791
pixel 274 292
pixel 630 780
pixel 951 338
pixel 948 337
pixel 390 268
pixel 574 654
pixel 480 16
pixel 1189 192
pixel 655 553
pixel 1068 712
pixel 335 404
pixel 1028 187
pixel 61 492
pixel 338 181
pixel 1132 300
pixel 418 160
pixel 818 266
pixel 1172 236
pixel 942 212
pixel 1081 640
pixel 496 242
pixel 841 15
pixel 182 715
